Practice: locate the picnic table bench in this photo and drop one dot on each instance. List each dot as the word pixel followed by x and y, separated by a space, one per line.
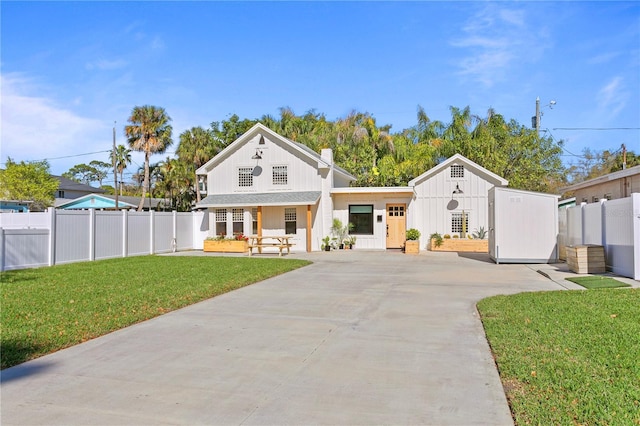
pixel 278 241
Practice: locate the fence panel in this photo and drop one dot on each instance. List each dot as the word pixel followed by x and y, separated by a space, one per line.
pixel 138 233
pixel 184 230
pixel 574 226
pixel 40 220
pixel 562 234
pixel 108 234
pixel 592 224
pixel 162 232
pixel 72 236
pixel 23 248
pixel 618 241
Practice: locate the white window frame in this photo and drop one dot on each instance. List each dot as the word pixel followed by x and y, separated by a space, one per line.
pixel 279 175
pixel 457 171
pixel 245 177
pixel 290 216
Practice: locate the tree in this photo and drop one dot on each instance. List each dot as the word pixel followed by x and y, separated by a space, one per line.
pixel 82 173
pixel 28 182
pixel 101 170
pixel 149 132
pixel 123 159
pixel 196 147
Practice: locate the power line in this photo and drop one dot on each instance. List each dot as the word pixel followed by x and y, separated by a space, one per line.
pixel 75 155
pixel 596 128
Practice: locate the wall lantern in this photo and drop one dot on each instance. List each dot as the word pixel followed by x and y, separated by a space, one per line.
pixel 457 190
pixel 257 155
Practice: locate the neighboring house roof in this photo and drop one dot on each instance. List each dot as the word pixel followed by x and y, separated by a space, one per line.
pixel 71 185
pixel 260 128
pixel 261 199
pixel 631 171
pixel 568 202
pixel 460 159
pixel 106 201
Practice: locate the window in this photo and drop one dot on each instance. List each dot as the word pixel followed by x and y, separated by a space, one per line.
pixel 396 211
pixel 595 199
pixel 290 225
pixel 60 194
pixel 245 176
pixel 456 222
pixel 361 216
pixel 237 215
pixel 279 176
pixel 221 222
pixel 254 221
pixel 457 171
pixel 607 196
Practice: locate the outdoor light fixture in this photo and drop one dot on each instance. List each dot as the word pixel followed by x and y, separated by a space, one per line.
pixel 258 154
pixel 457 190
pixel 261 141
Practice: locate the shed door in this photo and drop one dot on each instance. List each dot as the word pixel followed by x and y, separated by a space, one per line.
pixel 396 225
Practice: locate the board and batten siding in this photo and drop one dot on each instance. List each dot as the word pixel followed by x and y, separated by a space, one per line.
pixel 302 174
pixel 435 202
pixel 379 201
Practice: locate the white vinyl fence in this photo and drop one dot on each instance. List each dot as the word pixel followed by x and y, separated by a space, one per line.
pixel 64 236
pixel 614 224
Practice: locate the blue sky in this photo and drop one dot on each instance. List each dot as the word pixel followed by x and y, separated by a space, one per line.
pixel 70 69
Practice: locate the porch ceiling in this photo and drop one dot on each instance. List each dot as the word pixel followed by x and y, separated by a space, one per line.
pixel 261 199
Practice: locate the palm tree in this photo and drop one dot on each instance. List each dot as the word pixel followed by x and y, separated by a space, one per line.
pixel 196 147
pixel 123 159
pixel 149 132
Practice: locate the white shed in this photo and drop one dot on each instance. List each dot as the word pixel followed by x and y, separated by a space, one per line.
pixel 523 226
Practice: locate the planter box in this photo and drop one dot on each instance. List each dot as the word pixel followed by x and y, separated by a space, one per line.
pixel 462 245
pixel 412 247
pixel 225 246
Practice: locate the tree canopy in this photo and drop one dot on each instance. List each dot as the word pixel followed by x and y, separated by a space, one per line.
pixel 28 182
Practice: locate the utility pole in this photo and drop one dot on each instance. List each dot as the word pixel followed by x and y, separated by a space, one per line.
pixel 624 157
pixel 115 168
pixel 537 126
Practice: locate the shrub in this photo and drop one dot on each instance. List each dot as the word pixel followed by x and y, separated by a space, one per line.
pixel 413 234
pixel 437 239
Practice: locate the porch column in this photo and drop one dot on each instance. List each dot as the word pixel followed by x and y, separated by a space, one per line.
pixel 308 228
pixel 259 226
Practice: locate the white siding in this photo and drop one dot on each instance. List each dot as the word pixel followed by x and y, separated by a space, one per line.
pixel 525 226
pixel 302 173
pixel 379 201
pixel 435 202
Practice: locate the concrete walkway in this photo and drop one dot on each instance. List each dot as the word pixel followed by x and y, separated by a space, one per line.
pixel 359 337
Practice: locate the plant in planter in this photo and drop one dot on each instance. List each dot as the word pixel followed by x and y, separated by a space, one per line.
pixel 221 244
pixel 480 233
pixel 340 231
pixel 436 239
pixel 412 245
pixel 326 243
pixel 350 241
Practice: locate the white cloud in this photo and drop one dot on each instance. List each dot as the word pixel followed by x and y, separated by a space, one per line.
pixel 36 128
pixel 612 98
pixel 494 40
pixel 106 65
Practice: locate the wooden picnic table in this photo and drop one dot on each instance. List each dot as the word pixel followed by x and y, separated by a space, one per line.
pixel 278 241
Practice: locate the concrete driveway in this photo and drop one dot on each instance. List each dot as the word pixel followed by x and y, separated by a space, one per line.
pixel 359 337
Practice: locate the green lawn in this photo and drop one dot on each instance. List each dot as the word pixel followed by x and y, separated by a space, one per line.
pixel 570 357
pixel 47 309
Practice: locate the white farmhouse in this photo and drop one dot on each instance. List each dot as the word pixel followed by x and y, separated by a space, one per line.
pixel 265 184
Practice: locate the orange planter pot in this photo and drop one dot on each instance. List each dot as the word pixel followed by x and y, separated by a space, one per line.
pixel 225 246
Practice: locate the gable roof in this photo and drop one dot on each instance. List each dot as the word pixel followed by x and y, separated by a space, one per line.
pixel 258 128
pixel 66 184
pixel 631 171
pixel 462 160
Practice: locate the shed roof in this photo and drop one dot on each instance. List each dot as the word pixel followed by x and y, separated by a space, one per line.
pixel 631 171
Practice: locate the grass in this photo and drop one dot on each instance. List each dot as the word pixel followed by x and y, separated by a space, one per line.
pixel 47 309
pixel 570 357
pixel 597 281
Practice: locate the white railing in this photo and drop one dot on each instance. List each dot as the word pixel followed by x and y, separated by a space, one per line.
pixel 65 236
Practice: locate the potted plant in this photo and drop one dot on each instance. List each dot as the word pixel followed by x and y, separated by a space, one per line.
pixel 326 243
pixel 339 231
pixel 412 245
pixel 350 241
